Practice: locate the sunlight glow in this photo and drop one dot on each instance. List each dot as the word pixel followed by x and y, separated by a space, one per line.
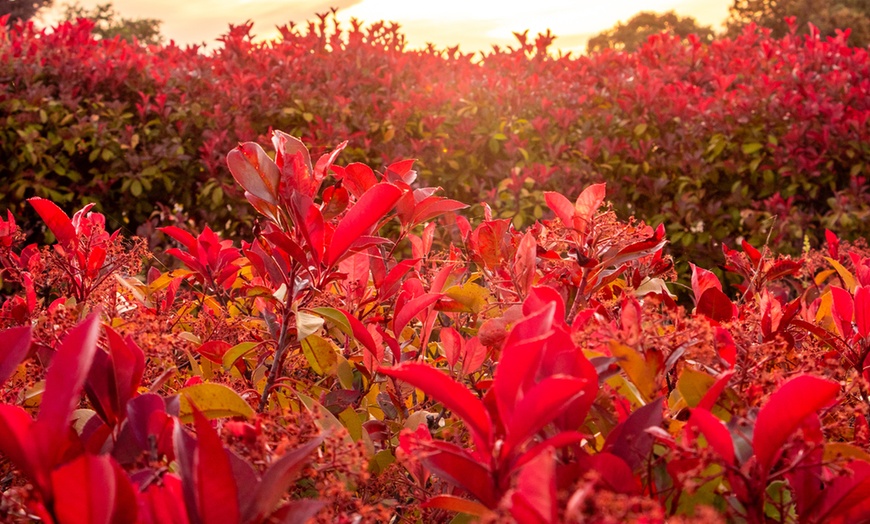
pixel 474 25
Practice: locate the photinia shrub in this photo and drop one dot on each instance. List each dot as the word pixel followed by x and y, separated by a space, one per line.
pixel 747 138
pixel 369 353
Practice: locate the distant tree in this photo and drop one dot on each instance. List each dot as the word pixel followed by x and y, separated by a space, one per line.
pixel 632 34
pixel 109 23
pixel 21 9
pixel 827 15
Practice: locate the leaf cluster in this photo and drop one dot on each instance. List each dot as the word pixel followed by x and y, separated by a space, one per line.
pixel 370 352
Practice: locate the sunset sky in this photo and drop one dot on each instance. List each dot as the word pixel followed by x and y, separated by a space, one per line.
pixel 475 25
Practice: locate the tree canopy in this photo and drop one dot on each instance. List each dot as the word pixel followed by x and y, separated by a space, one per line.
pixel 109 23
pixel 21 9
pixel 827 15
pixel 632 34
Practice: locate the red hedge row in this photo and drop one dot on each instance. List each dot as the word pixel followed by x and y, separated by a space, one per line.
pixel 713 141
pixel 537 375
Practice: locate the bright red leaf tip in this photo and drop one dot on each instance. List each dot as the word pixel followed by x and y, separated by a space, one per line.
pixel 717 435
pixel 368 211
pixel 794 401
pixel 57 221
pixel 66 375
pixel 255 171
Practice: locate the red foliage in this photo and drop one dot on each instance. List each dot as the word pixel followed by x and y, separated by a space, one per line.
pixel 544 375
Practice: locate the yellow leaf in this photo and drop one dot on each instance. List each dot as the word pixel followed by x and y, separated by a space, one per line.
pixel 823 275
pixel 641 373
pixel 848 279
pixel 213 400
pixel 470 295
pixel 834 450
pixel 236 352
pixel 693 385
pixel 320 353
pixel 824 316
pixel 351 421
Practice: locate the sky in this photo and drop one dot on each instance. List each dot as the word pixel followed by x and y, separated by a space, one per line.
pixel 474 25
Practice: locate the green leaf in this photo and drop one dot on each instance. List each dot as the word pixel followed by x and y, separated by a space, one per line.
pixel 693 385
pixel 336 317
pixel 213 400
pixel 752 147
pixel 236 352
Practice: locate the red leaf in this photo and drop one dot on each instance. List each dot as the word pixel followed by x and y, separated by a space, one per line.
pixel 186 239
pixel 434 206
pixel 92 490
pixel 357 177
pixel 520 358
pixel 277 479
pixel 587 205
pixel 782 268
pixel 321 168
pixel 335 201
pixel 215 486
pixel 401 171
pixel 794 401
pixel 561 206
pixel 715 305
pixel 310 222
pixel 16 444
pixel 630 440
pixel 66 375
pixel 524 263
pixel 362 335
pixel 844 498
pixel 255 171
pixel 717 435
pixel 57 222
pixel 451 342
pixel 454 465
pixel 128 365
pixel 473 355
pixel 539 297
pixel 712 395
pixel 862 311
pixel 214 350
pixel 615 474
pixel 535 497
pixel 833 244
pixel 725 345
pixel 366 213
pixel 844 311
pixel 453 395
pixel 456 504
pixel 540 406
pixel 411 309
pixel 14 345
pixel 390 284
pixel 702 280
pixel 163 503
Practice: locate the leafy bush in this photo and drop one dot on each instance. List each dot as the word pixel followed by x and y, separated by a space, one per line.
pixel 542 374
pixel 746 138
